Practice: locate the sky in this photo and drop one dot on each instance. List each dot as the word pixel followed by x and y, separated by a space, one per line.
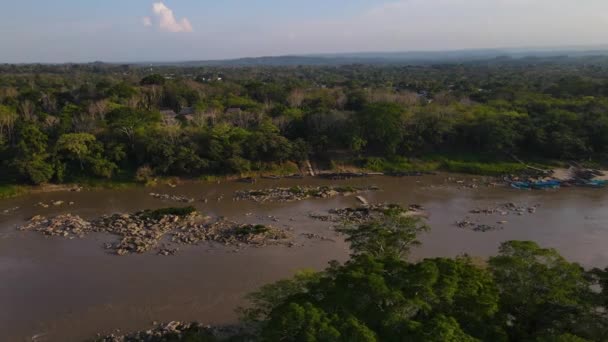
pixel 57 31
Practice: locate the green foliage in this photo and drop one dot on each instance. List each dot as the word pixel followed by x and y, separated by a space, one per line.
pixel 482 168
pixel 252 229
pixel 9 191
pixel 526 294
pixel 541 291
pixel 381 125
pixel 87 151
pixel 31 158
pixel 393 236
pixel 160 213
pixel 154 79
pixel 389 118
pixel 270 296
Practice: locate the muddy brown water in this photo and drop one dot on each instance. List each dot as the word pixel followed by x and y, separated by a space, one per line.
pixel 55 289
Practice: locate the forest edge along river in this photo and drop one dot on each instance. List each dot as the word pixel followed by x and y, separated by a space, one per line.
pixel 62 289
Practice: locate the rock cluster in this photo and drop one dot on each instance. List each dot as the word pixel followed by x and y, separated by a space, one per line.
pixel 54 203
pixel 175 198
pixel 367 213
pixel 299 193
pixel 501 210
pixel 229 233
pixel 172 331
pixel 313 236
pixel 10 210
pixel 63 225
pixel 506 209
pixel 409 173
pixel 342 175
pixel 143 231
pixel 139 233
pixel 477 227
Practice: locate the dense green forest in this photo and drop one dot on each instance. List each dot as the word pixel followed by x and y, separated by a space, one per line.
pixel 65 123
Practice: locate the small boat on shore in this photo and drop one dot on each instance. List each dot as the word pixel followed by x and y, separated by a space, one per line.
pixel 542 185
pixel 538 185
pixel 521 185
pixel 595 183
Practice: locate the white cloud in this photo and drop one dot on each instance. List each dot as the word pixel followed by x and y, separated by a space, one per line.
pixel 147 21
pixel 166 19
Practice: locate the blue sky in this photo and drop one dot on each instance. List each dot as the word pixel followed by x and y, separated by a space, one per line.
pixel 148 30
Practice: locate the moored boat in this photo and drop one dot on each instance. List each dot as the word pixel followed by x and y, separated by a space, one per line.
pixel 595 183
pixel 550 184
pixel 521 185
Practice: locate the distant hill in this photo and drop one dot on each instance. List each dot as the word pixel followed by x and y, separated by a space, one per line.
pixel 385 58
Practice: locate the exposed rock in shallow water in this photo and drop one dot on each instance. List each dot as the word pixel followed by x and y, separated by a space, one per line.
pixel 478 227
pixel 506 209
pixel 175 331
pixel 10 210
pixel 175 198
pixel 501 210
pixel 368 213
pixel 63 225
pixel 299 193
pixel 143 231
pixel 230 233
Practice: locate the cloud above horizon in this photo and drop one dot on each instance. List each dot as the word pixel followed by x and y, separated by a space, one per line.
pixel 166 19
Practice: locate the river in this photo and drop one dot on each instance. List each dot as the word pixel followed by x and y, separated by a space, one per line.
pixel 57 289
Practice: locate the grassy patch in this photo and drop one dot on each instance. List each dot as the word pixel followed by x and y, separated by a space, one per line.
pixel 160 213
pixel 95 183
pixel 274 169
pixel 484 165
pixel 396 164
pixel 482 168
pixel 210 178
pixel 252 230
pixel 286 168
pixel 10 191
pixel 470 164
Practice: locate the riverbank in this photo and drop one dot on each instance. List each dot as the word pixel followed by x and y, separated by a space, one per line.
pixel 470 165
pixel 466 164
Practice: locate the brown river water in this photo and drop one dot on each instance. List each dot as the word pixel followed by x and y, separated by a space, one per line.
pixel 56 289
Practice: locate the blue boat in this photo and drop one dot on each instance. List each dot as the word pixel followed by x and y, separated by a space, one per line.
pixel 521 185
pixel 550 184
pixel 596 183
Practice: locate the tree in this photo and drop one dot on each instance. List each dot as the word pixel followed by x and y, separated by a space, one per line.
pixel 154 79
pixel 85 149
pixel 381 125
pixel 31 160
pixel 542 293
pixel 127 121
pixel 393 235
pixel 75 146
pixel 7 123
pixel 306 322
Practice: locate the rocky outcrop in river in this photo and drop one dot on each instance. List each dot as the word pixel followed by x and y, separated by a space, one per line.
pixel 501 210
pixel 143 231
pixel 299 193
pixel 175 331
pixel 175 198
pixel 67 225
pixel 368 213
